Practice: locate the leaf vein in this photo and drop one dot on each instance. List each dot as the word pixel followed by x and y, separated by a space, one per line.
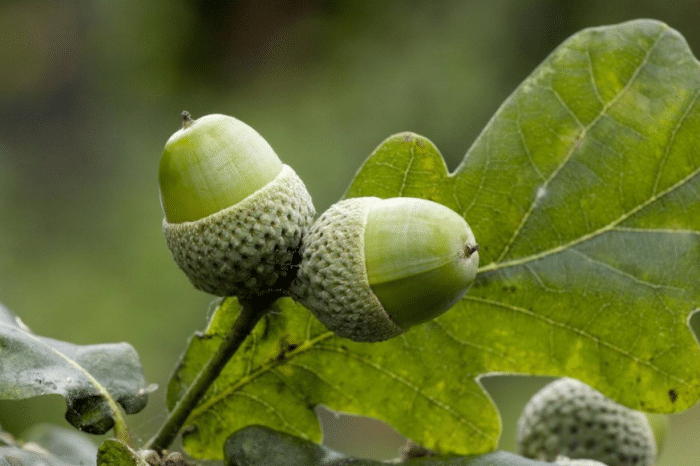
pixel 580 332
pixel 483 348
pixel 656 230
pixel 575 146
pixel 672 140
pixel 618 271
pixel 541 282
pixel 612 226
pixel 415 389
pixel 482 181
pixel 594 84
pixel 274 411
pixel 102 390
pixel 322 379
pixel 411 161
pixel 526 147
pixel 233 389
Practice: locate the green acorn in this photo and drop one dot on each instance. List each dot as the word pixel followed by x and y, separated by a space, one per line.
pixel 372 268
pixel 234 213
pixel 568 418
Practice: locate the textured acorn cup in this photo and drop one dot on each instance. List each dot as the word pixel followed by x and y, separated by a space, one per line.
pixel 569 418
pixel 372 268
pixel 234 213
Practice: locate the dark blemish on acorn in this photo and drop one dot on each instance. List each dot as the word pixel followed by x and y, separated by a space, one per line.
pixel 471 249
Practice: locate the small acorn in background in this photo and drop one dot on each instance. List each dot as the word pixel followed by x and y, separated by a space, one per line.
pixel 568 418
pixel 234 213
pixel 372 268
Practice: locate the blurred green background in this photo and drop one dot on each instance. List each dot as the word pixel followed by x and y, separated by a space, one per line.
pixel 91 90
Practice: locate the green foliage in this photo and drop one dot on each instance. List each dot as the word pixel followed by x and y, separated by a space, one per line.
pixel 583 194
pixel 13 456
pixel 115 453
pixel 47 445
pixel 582 191
pixel 64 443
pixel 91 378
pixel 272 380
pixel 261 446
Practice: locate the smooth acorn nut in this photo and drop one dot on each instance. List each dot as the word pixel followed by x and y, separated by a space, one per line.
pixel 571 419
pixel 372 268
pixel 234 213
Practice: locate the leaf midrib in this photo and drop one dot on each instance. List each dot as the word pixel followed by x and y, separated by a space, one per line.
pixel 581 332
pixel 576 144
pixel 67 359
pixel 494 266
pixel 116 411
pixel 500 264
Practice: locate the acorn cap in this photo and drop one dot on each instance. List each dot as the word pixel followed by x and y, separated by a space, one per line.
pixel 372 268
pixel 569 418
pixel 234 214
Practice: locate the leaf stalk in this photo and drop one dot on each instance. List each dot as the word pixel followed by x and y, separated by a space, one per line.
pixel 252 310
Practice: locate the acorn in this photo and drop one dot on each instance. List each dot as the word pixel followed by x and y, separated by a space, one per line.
pixel 234 213
pixel 571 419
pixel 372 268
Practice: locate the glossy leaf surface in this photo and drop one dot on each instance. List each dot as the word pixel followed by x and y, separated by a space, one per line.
pixel 261 446
pixel 32 365
pixel 47 445
pixel 64 443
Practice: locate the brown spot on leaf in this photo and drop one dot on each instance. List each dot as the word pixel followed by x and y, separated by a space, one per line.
pixel 672 395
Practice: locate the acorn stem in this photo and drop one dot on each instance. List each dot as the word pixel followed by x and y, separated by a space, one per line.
pixel 252 310
pixel 471 249
pixel 186 119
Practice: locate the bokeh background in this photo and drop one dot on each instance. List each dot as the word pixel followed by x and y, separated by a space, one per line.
pixel 90 90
